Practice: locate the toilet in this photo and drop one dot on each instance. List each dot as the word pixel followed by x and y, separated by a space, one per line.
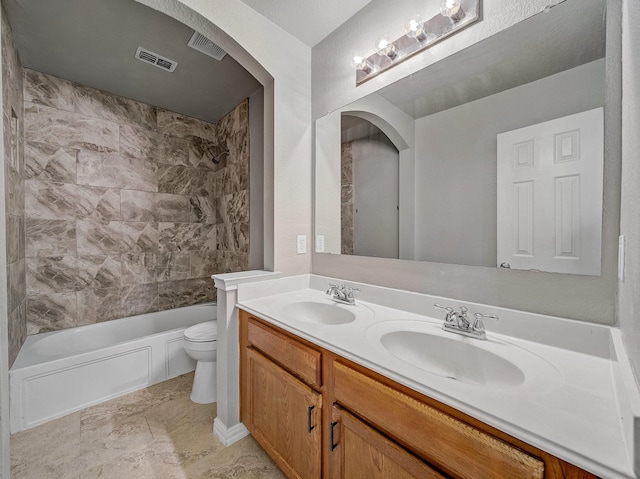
pixel 201 344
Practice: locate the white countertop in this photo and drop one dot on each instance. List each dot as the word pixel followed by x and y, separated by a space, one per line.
pixel 568 405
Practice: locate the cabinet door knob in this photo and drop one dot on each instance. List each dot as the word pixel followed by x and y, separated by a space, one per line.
pixel 333 437
pixel 310 424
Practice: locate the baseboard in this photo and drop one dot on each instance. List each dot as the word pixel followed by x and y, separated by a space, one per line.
pixel 229 435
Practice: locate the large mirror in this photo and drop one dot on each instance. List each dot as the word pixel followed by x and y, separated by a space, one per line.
pixel 421 169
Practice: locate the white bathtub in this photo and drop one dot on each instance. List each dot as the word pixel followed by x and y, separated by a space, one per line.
pixel 61 372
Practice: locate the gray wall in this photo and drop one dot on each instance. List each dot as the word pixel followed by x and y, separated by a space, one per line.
pixel 456 151
pixel 586 298
pixel 629 289
pixel 125 211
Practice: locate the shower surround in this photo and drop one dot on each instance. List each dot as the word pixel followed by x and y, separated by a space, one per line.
pixel 125 213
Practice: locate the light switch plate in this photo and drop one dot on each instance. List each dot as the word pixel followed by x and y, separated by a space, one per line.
pixel 301 244
pixel 319 243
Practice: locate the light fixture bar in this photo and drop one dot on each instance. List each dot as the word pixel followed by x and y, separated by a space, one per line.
pixel 435 29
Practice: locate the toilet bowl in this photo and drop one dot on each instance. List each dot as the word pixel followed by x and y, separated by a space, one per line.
pixel 201 343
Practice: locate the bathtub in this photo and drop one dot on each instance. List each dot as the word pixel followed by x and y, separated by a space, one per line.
pixel 61 372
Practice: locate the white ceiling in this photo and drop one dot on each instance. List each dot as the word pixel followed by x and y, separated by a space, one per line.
pixel 308 20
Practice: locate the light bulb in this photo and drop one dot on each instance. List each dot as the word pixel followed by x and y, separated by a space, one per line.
pixel 415 28
pixel 452 9
pixel 363 64
pixel 385 47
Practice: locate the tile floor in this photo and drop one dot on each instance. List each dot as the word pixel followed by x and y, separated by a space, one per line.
pixel 155 433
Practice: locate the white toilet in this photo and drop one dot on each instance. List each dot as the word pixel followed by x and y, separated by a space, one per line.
pixel 201 343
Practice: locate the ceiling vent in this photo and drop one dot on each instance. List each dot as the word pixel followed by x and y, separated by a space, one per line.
pixel 201 43
pixel 155 59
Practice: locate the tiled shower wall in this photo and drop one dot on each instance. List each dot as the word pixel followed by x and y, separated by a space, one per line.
pixel 125 213
pixel 13 160
pixel 347 197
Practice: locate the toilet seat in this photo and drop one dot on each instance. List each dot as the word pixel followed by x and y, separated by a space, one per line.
pixel 202 332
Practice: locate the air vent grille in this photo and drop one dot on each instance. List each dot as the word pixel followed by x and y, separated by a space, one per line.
pixel 201 43
pixel 155 59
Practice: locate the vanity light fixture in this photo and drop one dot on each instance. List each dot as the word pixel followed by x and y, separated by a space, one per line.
pixel 419 35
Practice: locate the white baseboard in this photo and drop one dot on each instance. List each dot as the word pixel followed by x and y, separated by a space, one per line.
pixel 229 435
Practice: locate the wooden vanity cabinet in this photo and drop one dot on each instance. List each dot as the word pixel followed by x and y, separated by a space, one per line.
pixel 279 404
pixel 370 426
pixel 359 451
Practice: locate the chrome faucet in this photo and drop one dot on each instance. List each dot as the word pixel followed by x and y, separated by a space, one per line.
pixel 457 322
pixel 342 294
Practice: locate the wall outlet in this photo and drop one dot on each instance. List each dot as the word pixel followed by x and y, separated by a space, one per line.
pixel 319 243
pixel 301 244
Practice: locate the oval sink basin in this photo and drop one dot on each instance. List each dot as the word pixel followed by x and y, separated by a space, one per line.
pixel 453 358
pixel 319 313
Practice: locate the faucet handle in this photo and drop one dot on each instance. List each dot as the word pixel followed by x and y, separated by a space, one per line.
pixel 448 309
pixel 450 317
pixel 478 324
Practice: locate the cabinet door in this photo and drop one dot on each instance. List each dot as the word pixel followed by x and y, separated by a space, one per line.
pixel 284 417
pixel 360 452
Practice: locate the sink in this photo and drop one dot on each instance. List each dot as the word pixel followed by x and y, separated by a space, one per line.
pixel 318 312
pixel 452 357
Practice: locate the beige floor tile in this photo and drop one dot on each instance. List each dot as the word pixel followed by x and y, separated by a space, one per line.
pixel 46 450
pixel 155 433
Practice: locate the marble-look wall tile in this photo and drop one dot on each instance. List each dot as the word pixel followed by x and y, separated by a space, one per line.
pixel 13 186
pixel 233 208
pixel 17 329
pixel 62 201
pixel 56 274
pixel 144 206
pixel 50 237
pixel 17 279
pixel 202 209
pixel 175 294
pixel 97 305
pixel 186 237
pixel 202 151
pixel 175 179
pixel 139 143
pixel 116 171
pixel 204 264
pixel 174 151
pixel 233 237
pixel 173 266
pixel 15 225
pixel 43 89
pixel 98 271
pixel 14 193
pixel 100 104
pixel 139 299
pixel 50 312
pixel 116 237
pixel 182 180
pixel 176 124
pixel 122 204
pixel 50 163
pixel 231 262
pixel 238 145
pixel 138 268
pixel 69 130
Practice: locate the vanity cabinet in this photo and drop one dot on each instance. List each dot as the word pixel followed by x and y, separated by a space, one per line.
pixel 358 450
pixel 370 427
pixel 279 404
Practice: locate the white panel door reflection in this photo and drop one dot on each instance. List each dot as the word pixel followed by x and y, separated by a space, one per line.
pixel 550 195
